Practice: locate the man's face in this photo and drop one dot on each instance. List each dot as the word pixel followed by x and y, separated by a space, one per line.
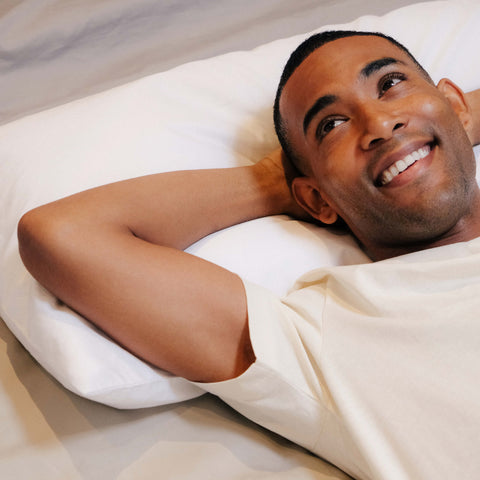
pixel 386 148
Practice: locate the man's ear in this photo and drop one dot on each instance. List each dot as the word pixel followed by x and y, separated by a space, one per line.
pixel 309 197
pixel 457 99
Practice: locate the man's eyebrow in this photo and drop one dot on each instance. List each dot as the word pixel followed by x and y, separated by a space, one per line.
pixel 368 70
pixel 376 65
pixel 319 105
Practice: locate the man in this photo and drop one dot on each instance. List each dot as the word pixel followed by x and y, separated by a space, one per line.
pixel 373 367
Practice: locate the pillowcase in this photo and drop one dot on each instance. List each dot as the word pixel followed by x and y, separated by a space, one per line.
pixel 212 113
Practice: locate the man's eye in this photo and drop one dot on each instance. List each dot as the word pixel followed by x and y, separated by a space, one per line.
pixel 389 81
pixel 328 125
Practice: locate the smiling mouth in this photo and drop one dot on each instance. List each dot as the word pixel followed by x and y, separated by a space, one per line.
pixel 401 165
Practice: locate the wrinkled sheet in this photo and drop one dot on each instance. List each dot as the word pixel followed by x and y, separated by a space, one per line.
pixel 54 51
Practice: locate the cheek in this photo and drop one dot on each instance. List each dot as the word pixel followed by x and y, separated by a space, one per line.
pixel 450 131
pixel 337 159
pixel 430 108
pixel 436 117
pixel 339 172
pixel 436 110
pixel 340 187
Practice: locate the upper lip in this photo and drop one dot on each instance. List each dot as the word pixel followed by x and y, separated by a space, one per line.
pixel 385 160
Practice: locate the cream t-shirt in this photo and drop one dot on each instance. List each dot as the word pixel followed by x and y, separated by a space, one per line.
pixel 374 367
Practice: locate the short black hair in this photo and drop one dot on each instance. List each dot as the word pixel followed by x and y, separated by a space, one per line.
pixel 307 47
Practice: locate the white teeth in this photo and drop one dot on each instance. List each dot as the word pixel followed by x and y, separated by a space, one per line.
pixel 387 177
pixel 400 165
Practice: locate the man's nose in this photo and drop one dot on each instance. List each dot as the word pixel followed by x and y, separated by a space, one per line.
pixel 378 122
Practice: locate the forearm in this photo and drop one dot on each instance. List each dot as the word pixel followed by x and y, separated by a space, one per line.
pixel 187 206
pixel 174 209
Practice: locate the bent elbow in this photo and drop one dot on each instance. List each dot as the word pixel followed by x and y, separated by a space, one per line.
pixel 37 236
pixel 28 234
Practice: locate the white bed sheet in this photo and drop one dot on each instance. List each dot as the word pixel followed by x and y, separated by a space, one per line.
pixel 53 51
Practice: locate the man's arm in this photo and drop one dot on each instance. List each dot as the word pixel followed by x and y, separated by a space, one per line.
pixel 114 254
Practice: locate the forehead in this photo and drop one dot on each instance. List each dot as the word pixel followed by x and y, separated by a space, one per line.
pixel 334 65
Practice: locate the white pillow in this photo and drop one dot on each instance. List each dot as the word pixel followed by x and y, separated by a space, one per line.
pixel 212 113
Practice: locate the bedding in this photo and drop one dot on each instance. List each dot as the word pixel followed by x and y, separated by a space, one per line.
pixel 210 113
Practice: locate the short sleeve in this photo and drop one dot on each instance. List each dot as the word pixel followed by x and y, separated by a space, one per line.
pixel 281 390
